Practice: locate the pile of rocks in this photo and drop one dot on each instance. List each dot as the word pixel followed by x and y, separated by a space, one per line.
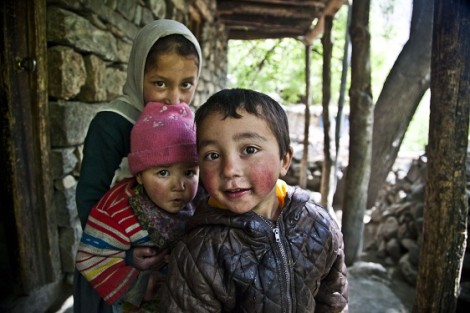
pixel 395 224
pixel 394 229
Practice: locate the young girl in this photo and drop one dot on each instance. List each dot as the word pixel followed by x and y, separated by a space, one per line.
pixel 149 209
pixel 256 244
pixel 164 66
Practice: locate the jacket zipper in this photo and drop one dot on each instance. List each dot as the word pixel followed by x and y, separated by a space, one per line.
pixel 285 263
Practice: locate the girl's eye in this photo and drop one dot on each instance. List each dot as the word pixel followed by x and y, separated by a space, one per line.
pixel 163 173
pixel 251 150
pixel 187 85
pixel 211 156
pixel 159 84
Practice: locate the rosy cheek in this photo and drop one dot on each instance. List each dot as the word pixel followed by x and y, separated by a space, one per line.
pixel 209 180
pixel 194 188
pixel 156 193
pixel 264 177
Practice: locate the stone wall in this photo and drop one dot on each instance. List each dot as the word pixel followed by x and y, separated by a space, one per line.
pixel 89 43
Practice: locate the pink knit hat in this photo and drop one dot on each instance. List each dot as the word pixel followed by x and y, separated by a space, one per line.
pixel 163 134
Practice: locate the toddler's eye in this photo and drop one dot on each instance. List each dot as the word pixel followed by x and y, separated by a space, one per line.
pixel 163 173
pixel 191 173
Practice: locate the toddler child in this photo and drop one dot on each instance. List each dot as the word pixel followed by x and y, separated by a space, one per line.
pixel 256 244
pixel 149 209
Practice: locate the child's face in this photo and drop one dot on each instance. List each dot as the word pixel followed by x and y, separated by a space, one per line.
pixel 240 162
pixel 172 81
pixel 170 187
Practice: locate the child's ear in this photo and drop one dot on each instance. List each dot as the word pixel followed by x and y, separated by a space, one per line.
pixel 286 160
pixel 139 178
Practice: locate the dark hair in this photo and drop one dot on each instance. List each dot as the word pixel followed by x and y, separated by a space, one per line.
pixel 171 44
pixel 228 101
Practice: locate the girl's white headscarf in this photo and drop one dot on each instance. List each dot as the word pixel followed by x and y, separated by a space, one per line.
pixel 131 103
pixel 143 42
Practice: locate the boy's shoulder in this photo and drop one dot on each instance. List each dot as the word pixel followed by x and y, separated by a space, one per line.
pixel 302 197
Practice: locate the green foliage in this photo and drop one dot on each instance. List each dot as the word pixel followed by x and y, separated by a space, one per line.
pixel 270 66
pixel 277 66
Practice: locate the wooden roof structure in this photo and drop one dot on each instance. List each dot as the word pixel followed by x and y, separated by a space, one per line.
pixel 263 19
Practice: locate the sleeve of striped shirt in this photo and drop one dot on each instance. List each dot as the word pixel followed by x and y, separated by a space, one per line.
pixel 101 252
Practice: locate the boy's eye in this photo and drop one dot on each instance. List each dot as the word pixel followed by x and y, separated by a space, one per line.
pixel 211 156
pixel 251 150
pixel 163 173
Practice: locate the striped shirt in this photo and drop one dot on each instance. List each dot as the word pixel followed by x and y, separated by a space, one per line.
pixel 111 229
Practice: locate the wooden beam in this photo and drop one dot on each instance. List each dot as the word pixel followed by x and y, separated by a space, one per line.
pixel 279 2
pixel 307 10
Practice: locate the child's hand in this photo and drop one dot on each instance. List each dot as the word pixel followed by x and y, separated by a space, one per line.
pixel 155 281
pixel 145 258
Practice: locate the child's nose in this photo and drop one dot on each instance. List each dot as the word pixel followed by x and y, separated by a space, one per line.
pixel 173 96
pixel 230 167
pixel 179 184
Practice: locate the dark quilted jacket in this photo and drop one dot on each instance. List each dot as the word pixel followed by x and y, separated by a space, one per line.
pixel 245 263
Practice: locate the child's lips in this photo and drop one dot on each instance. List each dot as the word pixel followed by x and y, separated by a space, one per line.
pixel 236 192
pixel 177 201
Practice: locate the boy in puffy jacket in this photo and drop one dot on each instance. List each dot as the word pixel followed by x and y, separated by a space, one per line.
pixel 256 244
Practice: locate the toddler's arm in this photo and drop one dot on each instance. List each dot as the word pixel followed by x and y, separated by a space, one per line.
pixel 149 261
pixel 101 257
pixel 146 258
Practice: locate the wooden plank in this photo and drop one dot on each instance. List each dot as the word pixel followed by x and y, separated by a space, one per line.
pixel 30 222
pixel 261 34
